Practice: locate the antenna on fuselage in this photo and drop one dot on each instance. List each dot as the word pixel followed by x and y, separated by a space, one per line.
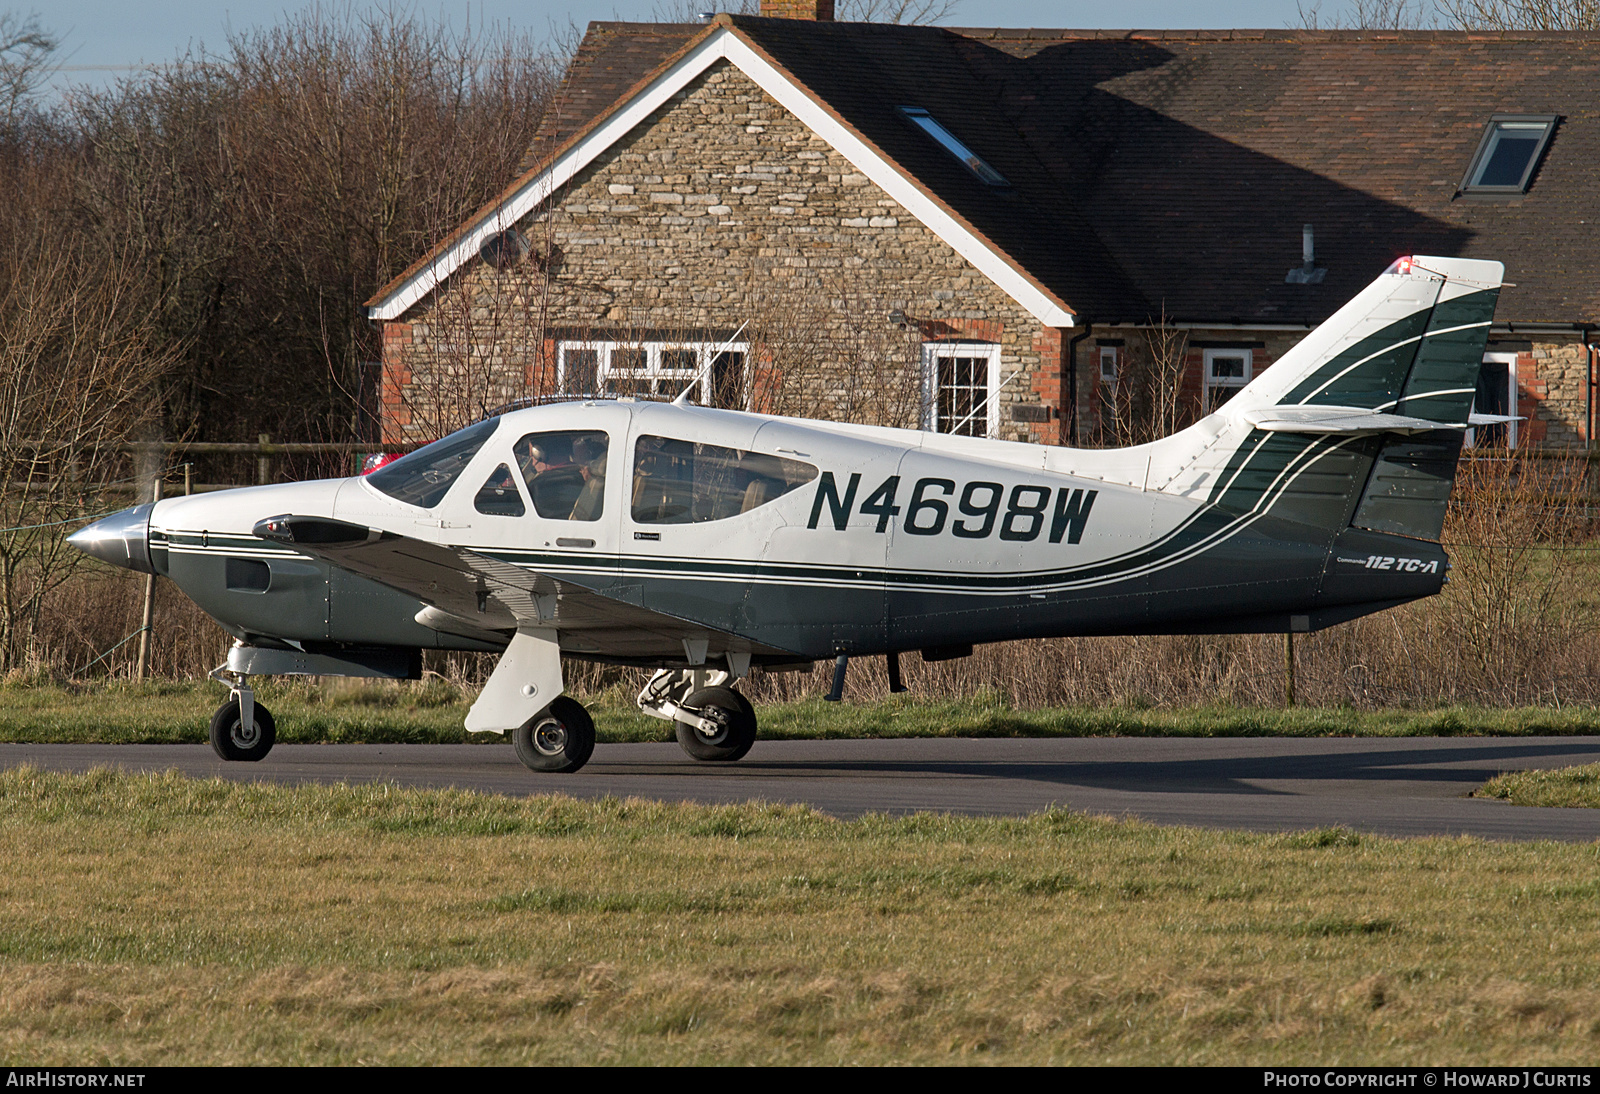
pixel 683 396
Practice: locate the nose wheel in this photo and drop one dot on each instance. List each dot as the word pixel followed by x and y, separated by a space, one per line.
pixel 235 739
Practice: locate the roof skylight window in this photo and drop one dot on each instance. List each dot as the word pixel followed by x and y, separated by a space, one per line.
pixel 1508 153
pixel 929 125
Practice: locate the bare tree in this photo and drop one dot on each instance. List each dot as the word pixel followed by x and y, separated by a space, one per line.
pixel 1371 15
pixel 26 61
pixel 1522 14
pixel 906 12
pixel 827 351
pixel 1147 400
pixel 377 136
pixel 76 377
pixel 271 191
pixel 1459 14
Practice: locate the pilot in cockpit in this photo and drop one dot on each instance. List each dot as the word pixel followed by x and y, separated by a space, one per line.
pixel 565 473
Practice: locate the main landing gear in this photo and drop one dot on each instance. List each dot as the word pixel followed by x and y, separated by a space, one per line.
pixel 241 729
pixel 713 722
pixel 558 738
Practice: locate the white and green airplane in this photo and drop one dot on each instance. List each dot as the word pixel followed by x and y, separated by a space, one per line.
pixel 703 542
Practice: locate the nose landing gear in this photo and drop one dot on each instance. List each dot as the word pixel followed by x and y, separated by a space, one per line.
pixel 241 729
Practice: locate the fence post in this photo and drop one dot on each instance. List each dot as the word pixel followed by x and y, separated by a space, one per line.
pixel 264 462
pixel 1288 668
pixel 149 606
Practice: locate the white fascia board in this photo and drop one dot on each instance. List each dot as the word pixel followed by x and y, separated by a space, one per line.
pixel 725 44
pixel 522 201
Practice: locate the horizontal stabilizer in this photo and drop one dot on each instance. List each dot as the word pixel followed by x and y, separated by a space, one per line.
pixel 1338 420
pixel 1475 418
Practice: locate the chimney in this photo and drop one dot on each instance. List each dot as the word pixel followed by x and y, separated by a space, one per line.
pixel 818 11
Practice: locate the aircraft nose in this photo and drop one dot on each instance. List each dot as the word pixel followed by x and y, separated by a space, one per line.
pixel 122 539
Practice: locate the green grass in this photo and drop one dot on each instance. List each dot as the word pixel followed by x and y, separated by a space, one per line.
pixel 151 919
pixel 432 711
pixel 1563 786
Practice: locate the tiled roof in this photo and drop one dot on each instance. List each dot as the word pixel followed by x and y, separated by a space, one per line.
pixel 1172 171
pixel 1198 157
pixel 611 60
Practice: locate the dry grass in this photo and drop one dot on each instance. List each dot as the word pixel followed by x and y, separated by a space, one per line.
pixel 432 711
pixel 154 920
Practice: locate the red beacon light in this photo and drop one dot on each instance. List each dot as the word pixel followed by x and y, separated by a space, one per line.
pixel 377 460
pixel 1401 266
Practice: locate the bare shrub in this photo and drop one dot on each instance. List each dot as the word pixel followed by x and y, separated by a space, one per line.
pixel 1147 401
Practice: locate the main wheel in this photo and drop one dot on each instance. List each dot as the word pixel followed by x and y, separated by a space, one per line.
pixel 734 718
pixel 558 738
pixel 233 740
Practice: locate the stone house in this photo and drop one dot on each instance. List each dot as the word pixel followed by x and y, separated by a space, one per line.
pixel 1056 236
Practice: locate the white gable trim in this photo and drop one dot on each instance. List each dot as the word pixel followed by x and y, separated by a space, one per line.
pixel 721 44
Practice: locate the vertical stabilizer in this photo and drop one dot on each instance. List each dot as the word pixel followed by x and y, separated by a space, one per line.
pixel 1409 344
pixel 1360 424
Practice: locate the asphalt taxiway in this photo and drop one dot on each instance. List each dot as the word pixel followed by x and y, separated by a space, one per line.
pixel 1411 786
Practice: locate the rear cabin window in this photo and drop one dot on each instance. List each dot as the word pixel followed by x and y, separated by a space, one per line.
pixel 683 482
pixel 565 472
pixel 424 477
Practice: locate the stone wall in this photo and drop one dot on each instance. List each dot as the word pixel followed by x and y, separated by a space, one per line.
pixel 719 210
pixel 1552 393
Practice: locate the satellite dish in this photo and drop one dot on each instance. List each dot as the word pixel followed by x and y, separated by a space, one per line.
pixel 503 250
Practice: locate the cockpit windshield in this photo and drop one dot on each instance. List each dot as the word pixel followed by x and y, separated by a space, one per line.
pixel 425 476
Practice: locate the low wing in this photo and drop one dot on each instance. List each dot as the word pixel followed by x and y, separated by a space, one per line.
pixel 487 594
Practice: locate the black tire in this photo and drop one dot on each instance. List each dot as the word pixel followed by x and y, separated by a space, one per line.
pixel 559 738
pixel 732 712
pixel 230 742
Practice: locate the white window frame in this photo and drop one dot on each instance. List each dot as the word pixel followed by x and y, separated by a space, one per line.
pixel 1510 361
pixel 1213 383
pixel 654 370
pixel 1110 356
pixel 932 352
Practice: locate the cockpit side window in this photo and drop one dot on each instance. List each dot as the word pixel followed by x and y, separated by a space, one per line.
pixel 565 472
pixel 424 477
pixel 498 496
pixel 683 482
